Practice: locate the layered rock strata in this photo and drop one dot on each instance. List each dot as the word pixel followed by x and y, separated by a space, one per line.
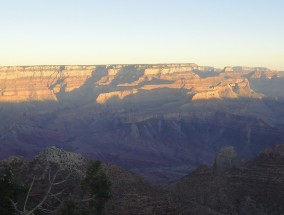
pixel 39 83
pixel 19 84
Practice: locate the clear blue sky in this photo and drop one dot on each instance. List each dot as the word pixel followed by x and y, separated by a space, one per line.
pixel 206 32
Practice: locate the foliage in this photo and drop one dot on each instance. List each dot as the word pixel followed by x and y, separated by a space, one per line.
pixel 68 208
pixel 92 194
pixel 97 186
pixel 10 189
pixel 95 191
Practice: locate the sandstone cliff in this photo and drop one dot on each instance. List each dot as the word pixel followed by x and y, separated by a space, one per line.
pixel 157 120
pixel 40 83
pixel 19 84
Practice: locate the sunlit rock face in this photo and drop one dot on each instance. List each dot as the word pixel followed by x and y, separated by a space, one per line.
pixel 18 84
pixel 200 82
pixel 157 120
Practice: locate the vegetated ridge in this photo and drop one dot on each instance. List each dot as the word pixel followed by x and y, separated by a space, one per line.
pixel 230 186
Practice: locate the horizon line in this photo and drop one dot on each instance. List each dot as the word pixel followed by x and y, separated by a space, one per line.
pixel 128 64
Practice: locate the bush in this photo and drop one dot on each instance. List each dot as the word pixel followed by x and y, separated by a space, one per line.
pixel 10 190
pixel 97 186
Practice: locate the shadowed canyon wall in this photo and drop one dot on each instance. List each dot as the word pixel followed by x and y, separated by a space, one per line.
pixel 158 120
pixel 18 84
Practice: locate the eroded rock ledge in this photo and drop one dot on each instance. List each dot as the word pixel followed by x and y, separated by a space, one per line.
pixel 39 83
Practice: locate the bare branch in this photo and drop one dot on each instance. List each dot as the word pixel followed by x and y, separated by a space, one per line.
pixel 88 199
pixel 61 182
pixel 44 210
pixel 14 204
pixel 28 194
pixel 56 198
pixel 56 194
pixel 55 175
pixel 43 200
pixel 49 177
pixel 48 194
pixel 50 206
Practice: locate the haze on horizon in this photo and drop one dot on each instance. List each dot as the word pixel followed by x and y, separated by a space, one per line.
pixel 206 32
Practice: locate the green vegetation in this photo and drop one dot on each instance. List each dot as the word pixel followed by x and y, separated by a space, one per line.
pixel 97 186
pixel 89 197
pixel 68 208
pixel 95 191
pixel 10 189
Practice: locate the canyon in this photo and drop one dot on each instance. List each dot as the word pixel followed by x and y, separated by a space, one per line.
pixel 231 186
pixel 48 83
pixel 160 121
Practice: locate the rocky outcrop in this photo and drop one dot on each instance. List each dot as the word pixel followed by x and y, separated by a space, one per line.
pixel 179 77
pixel 63 159
pixel 158 120
pixel 41 83
pixel 104 97
pixel 255 187
pixel 226 159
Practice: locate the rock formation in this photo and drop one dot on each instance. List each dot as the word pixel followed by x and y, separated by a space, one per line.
pixel 158 120
pixel 226 159
pixel 255 187
pixel 40 83
pixel 36 83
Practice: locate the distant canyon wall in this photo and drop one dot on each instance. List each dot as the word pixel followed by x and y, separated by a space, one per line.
pixel 41 83
pixel 19 84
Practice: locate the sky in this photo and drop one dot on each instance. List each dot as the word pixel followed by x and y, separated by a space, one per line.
pixel 86 32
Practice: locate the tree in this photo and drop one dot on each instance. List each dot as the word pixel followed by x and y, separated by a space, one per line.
pixel 97 186
pixel 68 208
pixel 45 194
pixel 48 194
pixel 95 191
pixel 10 189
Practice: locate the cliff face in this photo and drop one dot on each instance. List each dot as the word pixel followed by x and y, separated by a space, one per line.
pixel 157 120
pixel 251 187
pixel 18 84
